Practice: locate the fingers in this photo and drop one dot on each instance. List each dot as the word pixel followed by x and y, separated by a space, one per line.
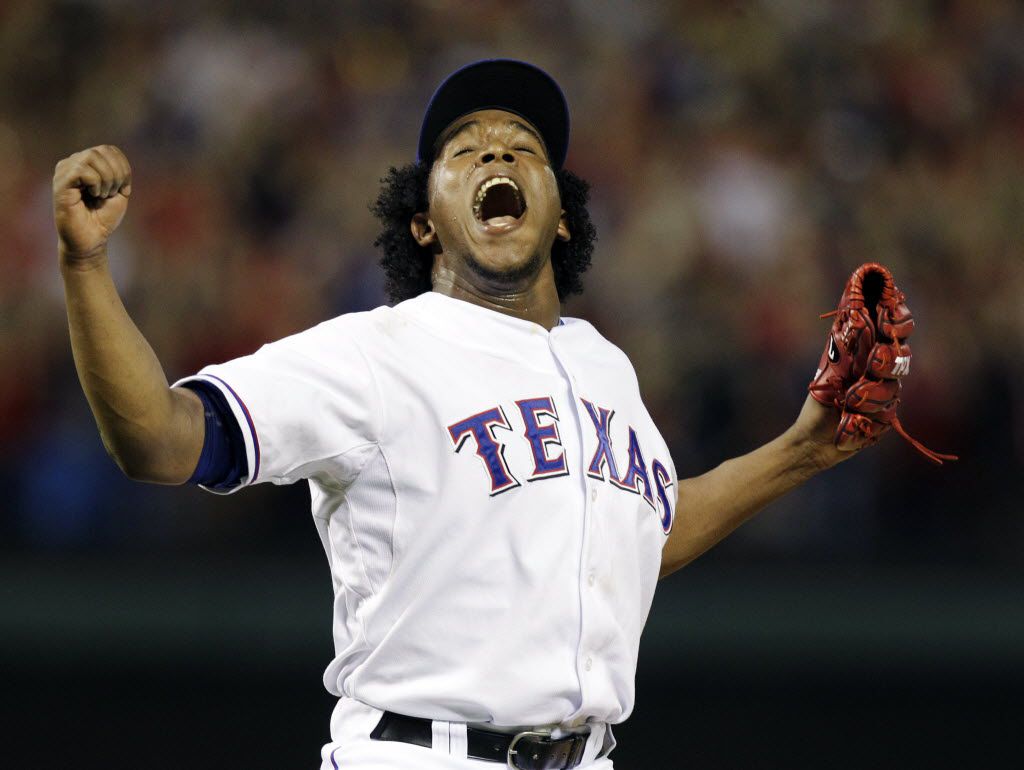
pixel 89 180
pixel 121 168
pixel 100 172
pixel 873 396
pixel 107 175
pixel 889 360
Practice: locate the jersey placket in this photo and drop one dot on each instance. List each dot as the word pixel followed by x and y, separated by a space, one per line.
pixel 586 578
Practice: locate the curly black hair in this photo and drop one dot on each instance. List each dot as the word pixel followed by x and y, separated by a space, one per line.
pixel 407 265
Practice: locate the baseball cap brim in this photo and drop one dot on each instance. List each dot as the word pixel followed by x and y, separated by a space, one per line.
pixel 499 84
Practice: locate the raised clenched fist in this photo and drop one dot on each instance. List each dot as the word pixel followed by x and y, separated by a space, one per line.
pixel 90 196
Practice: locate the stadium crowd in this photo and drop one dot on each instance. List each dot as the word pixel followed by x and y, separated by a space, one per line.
pixel 744 158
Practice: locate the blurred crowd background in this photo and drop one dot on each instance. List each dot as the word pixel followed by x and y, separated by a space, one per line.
pixel 744 157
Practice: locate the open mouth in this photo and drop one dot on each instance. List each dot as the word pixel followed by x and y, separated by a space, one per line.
pixel 499 202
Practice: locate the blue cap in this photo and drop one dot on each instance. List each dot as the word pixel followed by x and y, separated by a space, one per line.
pixel 499 84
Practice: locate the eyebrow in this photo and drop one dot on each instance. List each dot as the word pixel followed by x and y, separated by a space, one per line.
pixel 514 123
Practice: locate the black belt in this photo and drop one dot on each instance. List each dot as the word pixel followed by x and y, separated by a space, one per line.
pixel 528 750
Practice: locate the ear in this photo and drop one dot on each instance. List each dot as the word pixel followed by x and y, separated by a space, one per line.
pixel 422 229
pixel 563 228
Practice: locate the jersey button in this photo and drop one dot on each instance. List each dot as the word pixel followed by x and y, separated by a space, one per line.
pixel 591 579
pixel 589 664
pixel 593 495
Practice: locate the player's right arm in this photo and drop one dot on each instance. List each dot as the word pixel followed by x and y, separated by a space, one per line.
pixel 154 432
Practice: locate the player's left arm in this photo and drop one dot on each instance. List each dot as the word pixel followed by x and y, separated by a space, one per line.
pixel 709 507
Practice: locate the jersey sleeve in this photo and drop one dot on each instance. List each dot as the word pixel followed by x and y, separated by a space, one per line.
pixel 305 405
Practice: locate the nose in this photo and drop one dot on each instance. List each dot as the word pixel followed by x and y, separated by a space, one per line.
pixel 493 153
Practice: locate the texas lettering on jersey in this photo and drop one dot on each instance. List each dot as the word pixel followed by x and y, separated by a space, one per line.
pixel 540 421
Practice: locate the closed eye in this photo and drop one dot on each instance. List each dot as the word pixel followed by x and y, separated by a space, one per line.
pixel 525 149
pixel 457 153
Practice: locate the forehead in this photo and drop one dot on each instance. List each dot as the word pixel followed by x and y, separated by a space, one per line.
pixel 485 121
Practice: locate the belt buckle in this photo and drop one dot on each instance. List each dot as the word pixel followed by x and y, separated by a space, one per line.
pixel 512 752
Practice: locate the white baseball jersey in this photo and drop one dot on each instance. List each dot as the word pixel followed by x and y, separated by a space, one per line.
pixel 493 498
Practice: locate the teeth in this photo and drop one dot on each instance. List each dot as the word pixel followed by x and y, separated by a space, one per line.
pixel 496 180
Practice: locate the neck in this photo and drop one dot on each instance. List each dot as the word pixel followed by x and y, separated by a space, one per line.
pixel 535 300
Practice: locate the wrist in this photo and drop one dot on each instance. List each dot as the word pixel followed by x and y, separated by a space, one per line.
pixel 72 261
pixel 813 436
pixel 825 454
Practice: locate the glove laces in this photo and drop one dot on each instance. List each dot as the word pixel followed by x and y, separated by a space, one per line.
pixel 935 457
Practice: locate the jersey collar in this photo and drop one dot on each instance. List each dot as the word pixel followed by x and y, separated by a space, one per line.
pixel 481 327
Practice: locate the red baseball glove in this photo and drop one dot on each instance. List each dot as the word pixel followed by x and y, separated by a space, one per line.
pixel 865 356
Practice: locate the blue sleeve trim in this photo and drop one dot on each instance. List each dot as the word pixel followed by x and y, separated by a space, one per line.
pixel 249 422
pixel 222 463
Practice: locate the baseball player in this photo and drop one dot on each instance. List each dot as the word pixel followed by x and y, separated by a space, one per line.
pixel 494 500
